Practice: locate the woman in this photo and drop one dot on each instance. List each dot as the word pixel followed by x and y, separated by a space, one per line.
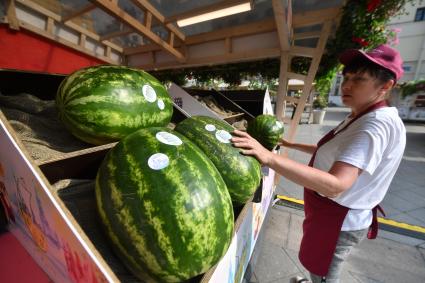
pixel 351 167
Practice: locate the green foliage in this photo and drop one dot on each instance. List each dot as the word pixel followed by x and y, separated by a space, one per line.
pixel 413 87
pixel 320 102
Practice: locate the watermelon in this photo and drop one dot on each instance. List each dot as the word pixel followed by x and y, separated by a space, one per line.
pixel 103 104
pixel 164 205
pixel 266 129
pixel 242 174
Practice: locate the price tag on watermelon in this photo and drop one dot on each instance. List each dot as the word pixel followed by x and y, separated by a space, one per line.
pixel 210 128
pixel 161 104
pixel 168 138
pixel 158 161
pixel 223 136
pixel 149 93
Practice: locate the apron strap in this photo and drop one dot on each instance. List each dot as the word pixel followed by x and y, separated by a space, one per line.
pixel 373 229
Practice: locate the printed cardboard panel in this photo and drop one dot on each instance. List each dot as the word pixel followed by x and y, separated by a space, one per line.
pixel 38 221
pixel 232 266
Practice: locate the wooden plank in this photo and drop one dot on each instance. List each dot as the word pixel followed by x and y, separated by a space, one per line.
pixel 243 30
pixel 171 39
pixel 74 14
pixel 283 85
pixel 302 51
pixel 40 9
pixel 49 14
pixel 115 34
pixel 315 17
pixel 82 42
pixel 64 42
pixel 228 45
pixel 306 35
pixel 281 24
pixel 113 10
pixel 148 20
pixel 12 19
pixel 217 59
pixel 144 4
pixel 141 49
pixel 237 31
pixel 50 25
pixel 326 29
pixel 108 51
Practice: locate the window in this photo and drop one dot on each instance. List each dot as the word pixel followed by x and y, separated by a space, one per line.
pixel 420 14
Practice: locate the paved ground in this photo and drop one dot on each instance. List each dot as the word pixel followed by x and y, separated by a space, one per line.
pixel 390 258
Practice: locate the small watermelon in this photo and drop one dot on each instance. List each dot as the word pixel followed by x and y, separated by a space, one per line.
pixel 164 205
pixel 267 130
pixel 241 173
pixel 103 104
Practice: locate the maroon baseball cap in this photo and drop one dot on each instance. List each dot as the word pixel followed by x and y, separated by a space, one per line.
pixel 383 55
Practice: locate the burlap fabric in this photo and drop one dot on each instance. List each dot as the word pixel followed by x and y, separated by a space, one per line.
pixel 37 124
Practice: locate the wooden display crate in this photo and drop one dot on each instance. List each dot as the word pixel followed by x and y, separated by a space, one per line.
pixel 58 225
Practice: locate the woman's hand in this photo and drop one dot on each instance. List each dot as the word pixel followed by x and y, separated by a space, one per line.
pixel 251 146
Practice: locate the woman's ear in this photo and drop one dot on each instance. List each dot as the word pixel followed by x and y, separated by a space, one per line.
pixel 387 86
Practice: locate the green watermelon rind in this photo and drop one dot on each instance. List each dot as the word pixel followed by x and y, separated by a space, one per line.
pixel 103 104
pixel 241 173
pixel 159 221
pixel 266 130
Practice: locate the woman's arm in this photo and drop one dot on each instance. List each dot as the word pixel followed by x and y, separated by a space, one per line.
pixel 339 178
pixel 307 148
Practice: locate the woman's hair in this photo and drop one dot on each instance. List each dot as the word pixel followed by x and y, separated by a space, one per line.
pixel 362 65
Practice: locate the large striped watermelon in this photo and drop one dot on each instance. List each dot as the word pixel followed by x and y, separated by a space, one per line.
pixel 241 173
pixel 266 129
pixel 165 206
pixel 105 103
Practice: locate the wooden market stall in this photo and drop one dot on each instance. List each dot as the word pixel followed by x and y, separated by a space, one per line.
pixel 46 37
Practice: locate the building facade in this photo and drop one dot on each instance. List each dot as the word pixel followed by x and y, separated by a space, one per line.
pixel 411 45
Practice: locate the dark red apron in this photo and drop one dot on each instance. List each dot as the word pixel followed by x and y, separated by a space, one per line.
pixel 324 218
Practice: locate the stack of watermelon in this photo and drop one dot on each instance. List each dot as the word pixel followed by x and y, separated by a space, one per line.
pixel 164 197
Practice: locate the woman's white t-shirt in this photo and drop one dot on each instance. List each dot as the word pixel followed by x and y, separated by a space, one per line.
pixel 375 144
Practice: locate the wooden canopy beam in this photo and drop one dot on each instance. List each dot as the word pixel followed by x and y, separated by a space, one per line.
pixel 11 15
pixel 282 24
pixel 115 11
pixel 263 26
pixel 310 18
pixel 145 5
pixel 86 9
pixel 238 31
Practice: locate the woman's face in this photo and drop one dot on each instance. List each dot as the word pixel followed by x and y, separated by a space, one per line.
pixel 359 90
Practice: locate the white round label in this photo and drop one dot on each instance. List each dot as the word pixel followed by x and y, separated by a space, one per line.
pixel 161 104
pixel 168 138
pixel 210 128
pixel 149 93
pixel 158 161
pixel 223 136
